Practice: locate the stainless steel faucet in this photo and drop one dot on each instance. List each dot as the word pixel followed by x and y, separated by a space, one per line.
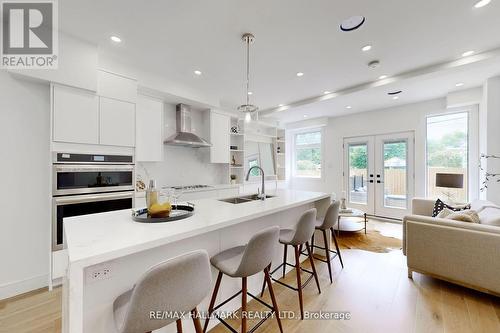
pixel 262 195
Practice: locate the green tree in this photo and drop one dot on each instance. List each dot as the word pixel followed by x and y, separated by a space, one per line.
pixel 358 157
pixel 450 151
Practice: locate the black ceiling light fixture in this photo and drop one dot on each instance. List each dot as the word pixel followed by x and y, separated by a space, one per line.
pixel 352 23
pixel 393 93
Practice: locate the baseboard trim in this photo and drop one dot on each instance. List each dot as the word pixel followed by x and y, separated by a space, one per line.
pixel 12 289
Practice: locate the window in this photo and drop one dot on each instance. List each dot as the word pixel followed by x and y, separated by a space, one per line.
pixel 448 153
pixel 307 154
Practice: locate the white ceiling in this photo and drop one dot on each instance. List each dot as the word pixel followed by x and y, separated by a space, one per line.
pixel 173 38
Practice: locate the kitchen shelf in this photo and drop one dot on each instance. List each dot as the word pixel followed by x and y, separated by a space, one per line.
pixel 236 167
pixel 236 150
pixel 237 134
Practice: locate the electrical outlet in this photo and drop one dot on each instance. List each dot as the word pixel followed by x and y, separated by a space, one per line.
pixel 98 273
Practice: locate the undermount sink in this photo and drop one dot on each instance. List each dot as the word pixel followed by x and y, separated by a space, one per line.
pixel 243 199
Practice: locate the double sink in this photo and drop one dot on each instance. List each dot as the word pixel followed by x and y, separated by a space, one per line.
pixel 243 199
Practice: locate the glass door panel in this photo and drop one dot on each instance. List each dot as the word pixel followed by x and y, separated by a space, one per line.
pixel 395 174
pixel 358 173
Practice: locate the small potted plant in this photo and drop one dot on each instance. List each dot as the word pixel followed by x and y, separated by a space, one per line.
pixel 233 179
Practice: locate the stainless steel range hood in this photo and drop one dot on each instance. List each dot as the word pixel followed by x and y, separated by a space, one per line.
pixel 184 136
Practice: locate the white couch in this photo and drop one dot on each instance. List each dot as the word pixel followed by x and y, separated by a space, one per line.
pixel 464 253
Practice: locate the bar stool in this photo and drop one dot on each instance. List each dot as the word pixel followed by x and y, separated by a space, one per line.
pixel 298 237
pixel 242 262
pixel 175 286
pixel 331 218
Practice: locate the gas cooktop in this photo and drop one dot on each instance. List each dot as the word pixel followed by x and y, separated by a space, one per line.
pixel 190 187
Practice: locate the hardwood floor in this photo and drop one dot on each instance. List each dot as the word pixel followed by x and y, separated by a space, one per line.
pixel 373 287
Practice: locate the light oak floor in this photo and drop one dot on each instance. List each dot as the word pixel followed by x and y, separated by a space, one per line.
pixel 373 287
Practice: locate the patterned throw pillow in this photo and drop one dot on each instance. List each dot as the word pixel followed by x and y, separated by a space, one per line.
pixel 468 215
pixel 439 206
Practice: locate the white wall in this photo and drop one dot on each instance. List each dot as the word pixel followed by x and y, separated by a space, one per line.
pixel 491 134
pixel 410 117
pixel 24 224
pixel 184 165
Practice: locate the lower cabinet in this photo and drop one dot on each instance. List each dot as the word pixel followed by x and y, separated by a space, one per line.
pixel 117 122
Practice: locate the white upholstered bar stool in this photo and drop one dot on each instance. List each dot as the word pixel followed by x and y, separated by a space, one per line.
pixel 297 238
pixel 243 262
pixel 177 285
pixel 325 225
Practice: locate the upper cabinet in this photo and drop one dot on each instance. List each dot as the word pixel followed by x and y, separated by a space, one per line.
pixel 117 122
pixel 219 137
pixel 75 115
pixel 149 130
pixel 106 118
pixel 116 86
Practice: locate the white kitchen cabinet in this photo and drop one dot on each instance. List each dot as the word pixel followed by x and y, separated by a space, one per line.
pixel 149 130
pixel 75 115
pixel 219 137
pixel 116 86
pixel 117 122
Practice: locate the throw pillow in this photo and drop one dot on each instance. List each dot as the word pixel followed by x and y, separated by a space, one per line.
pixel 440 205
pixel 444 213
pixel 464 216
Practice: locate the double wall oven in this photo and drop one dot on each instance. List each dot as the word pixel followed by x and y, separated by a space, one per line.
pixel 88 184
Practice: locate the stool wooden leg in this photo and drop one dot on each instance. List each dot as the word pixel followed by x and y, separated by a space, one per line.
pixel 327 250
pixel 311 260
pixel 243 305
pixel 196 321
pixel 273 298
pixel 178 322
pixel 337 247
pixel 212 301
pixel 299 282
pixel 264 282
pixel 284 259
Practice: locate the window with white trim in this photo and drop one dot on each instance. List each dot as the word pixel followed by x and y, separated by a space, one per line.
pixel 307 154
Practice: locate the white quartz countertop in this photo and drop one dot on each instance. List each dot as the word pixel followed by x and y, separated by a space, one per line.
pixel 142 194
pixel 96 238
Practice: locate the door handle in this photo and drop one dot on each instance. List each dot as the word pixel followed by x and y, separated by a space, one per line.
pixel 379 181
pixel 371 180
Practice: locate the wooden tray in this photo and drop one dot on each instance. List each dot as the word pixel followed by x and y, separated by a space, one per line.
pixel 178 212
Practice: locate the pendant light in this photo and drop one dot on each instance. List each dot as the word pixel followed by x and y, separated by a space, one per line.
pixel 248 109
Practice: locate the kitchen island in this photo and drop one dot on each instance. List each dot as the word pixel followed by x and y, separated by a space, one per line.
pixel 108 252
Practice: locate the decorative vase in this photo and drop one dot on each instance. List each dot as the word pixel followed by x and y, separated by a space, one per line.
pixel 343 204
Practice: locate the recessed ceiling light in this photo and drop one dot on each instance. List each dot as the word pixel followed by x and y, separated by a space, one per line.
pixel 381 77
pixel 305 116
pixel 481 3
pixel 197 72
pixel 395 97
pixel 352 23
pixel 280 105
pixel 468 53
pixel 326 92
pixel 115 39
pixel 459 84
pixel 366 48
pixel 250 93
pixel 348 107
pixel 299 74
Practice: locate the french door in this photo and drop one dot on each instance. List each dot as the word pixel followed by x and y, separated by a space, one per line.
pixel 379 173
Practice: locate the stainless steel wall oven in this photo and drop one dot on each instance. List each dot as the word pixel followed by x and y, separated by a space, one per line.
pixel 88 184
